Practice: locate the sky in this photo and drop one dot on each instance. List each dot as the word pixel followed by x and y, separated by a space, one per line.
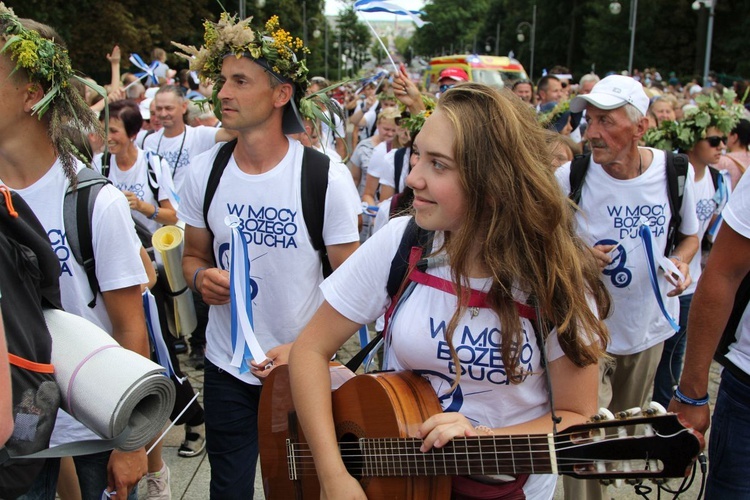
pixel 333 7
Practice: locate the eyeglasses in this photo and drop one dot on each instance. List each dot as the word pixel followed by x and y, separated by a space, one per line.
pixel 564 85
pixel 716 140
pixel 445 87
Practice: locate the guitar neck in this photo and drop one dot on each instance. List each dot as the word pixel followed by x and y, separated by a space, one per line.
pixel 485 455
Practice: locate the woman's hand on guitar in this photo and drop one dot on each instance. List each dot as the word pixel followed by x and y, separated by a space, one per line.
pixel 439 429
pixel 343 487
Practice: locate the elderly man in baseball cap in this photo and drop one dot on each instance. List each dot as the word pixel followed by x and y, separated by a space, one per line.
pixel 623 188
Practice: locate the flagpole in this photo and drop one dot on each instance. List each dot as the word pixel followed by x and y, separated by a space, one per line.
pixel 395 68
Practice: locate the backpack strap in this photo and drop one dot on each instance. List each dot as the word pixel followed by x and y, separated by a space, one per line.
pixel 220 164
pixel 314 182
pixel 314 185
pixel 78 212
pixel 714 176
pixel 398 167
pixel 578 168
pixel 106 163
pixel 152 163
pixel 413 237
pixel 677 172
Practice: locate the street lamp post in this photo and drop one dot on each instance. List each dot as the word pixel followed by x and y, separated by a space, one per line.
pixel 521 38
pixel 615 8
pixel 710 4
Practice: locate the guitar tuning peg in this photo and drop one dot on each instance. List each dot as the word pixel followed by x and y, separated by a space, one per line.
pixel 632 412
pixel 655 408
pixel 604 414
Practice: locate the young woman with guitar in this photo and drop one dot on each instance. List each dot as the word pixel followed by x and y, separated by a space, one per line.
pixel 503 252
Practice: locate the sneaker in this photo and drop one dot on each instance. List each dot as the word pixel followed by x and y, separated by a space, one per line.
pixel 180 346
pixel 194 442
pixel 157 484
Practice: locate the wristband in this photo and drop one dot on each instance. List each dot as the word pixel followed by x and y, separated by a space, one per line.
pixel 156 212
pixel 195 277
pixel 681 398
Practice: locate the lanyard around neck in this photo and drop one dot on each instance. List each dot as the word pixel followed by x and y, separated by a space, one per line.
pixel 179 155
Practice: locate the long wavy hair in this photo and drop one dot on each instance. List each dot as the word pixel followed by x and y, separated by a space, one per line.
pixel 523 225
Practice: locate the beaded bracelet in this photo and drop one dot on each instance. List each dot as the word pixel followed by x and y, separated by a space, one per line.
pixel 156 212
pixel 680 397
pixel 195 277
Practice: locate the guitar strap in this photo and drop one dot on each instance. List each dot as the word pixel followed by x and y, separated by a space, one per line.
pixel 541 332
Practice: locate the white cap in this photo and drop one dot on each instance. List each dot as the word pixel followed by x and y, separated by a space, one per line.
pixel 613 92
pixel 151 92
pixel 695 89
pixel 144 106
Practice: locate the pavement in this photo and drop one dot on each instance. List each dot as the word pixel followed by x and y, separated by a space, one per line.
pixel 190 477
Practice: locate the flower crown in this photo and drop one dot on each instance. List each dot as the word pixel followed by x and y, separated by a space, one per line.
pixel 47 64
pixel 274 45
pixel 550 117
pixel 708 112
pixel 414 122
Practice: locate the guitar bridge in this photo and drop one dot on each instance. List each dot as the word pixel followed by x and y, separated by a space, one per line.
pixel 291 461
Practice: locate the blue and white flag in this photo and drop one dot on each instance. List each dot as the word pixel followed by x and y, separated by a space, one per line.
pixel 147 70
pixel 244 343
pixel 155 335
pixel 721 197
pixel 644 231
pixel 390 7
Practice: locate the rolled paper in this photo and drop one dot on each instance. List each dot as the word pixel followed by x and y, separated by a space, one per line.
pixel 104 386
pixel 168 244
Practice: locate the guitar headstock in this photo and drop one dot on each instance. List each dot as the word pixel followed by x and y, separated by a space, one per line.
pixel 633 444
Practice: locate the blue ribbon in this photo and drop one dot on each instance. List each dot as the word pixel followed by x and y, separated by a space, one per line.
pixel 239 257
pixel 644 231
pixel 146 69
pixel 155 335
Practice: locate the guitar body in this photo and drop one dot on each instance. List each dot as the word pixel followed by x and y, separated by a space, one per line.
pixel 384 405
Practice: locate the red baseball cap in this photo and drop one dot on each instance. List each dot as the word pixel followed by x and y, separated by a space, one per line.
pixel 456 74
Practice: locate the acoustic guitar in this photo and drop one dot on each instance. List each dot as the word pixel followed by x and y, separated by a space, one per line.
pixel 377 415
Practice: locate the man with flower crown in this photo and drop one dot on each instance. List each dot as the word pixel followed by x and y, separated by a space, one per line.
pixel 259 83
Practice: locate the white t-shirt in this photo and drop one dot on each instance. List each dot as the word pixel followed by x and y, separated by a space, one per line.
pixel 361 158
pixel 417 341
pixel 610 212
pixel 388 172
pixel 705 208
pixel 285 269
pixel 181 149
pixel 117 255
pixel 136 180
pixel 737 215
pixel 377 160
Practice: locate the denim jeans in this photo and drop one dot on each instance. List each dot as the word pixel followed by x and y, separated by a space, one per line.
pixel 231 411
pixel 92 478
pixel 728 466
pixel 670 367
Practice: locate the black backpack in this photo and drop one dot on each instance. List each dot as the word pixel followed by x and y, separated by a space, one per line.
pixel 29 281
pixel 314 187
pixel 78 213
pixel 677 170
pixel 741 299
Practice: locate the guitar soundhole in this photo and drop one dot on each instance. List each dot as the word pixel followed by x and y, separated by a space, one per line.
pixel 350 453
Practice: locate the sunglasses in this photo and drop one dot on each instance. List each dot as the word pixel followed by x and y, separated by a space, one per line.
pixel 446 86
pixel 716 140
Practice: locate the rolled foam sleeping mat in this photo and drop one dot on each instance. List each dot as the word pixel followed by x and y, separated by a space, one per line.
pixel 168 243
pixel 105 386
